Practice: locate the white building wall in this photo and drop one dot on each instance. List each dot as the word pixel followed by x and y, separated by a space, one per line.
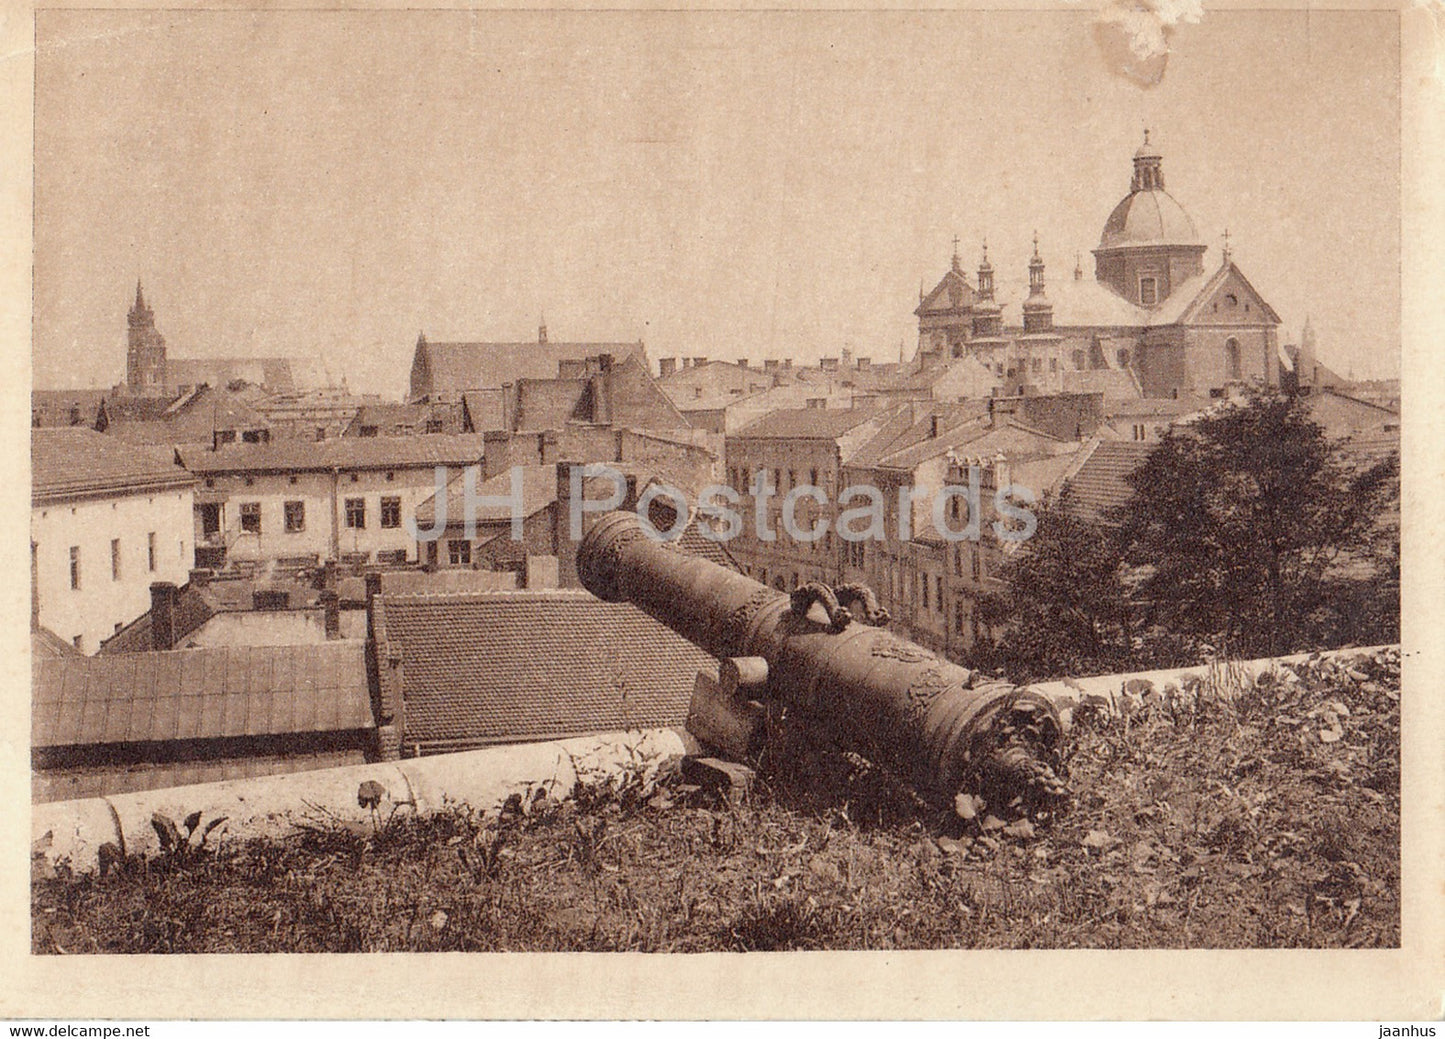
pixel 321 494
pixel 103 602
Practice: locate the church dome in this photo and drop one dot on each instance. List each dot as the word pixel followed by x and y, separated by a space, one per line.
pixel 1148 215
pixel 1148 218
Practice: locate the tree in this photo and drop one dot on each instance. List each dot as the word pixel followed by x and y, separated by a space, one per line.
pixel 1255 530
pixel 1248 530
pixel 1065 609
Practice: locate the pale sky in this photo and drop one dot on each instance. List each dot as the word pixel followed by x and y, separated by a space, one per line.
pixel 733 185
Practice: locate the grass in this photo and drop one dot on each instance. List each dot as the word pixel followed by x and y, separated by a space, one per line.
pixel 1260 815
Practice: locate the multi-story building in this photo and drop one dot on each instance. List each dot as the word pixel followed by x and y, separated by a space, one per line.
pixel 301 503
pixel 106 520
pixel 789 450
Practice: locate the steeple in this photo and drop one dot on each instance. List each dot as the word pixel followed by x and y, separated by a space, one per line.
pixel 542 328
pixel 985 276
pixel 1038 311
pixel 1036 270
pixel 145 359
pixel 957 263
pixel 1078 266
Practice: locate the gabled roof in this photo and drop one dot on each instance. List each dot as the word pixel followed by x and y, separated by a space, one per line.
pixel 952 284
pixel 1100 484
pixel 75 462
pixel 345 453
pixel 484 409
pixel 451 368
pixel 1191 304
pixel 806 424
pixel 194 694
pixel 512 667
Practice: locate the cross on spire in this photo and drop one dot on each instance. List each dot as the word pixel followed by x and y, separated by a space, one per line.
pixel 1226 243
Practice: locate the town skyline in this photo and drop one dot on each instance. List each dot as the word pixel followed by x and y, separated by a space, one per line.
pixel 721 185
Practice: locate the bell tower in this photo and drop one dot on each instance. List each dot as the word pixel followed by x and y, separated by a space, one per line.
pixel 145 360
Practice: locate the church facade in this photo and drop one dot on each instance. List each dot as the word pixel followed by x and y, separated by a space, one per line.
pixel 1155 320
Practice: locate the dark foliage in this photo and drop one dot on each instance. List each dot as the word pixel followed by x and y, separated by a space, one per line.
pixel 1249 533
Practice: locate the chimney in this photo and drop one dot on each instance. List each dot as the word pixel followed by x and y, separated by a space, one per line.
pixel 328 575
pixel 686 362
pixel 331 610
pixel 666 366
pixel 373 591
pixel 847 357
pixel 770 364
pixel 163 615
pixel 496 452
pixel 743 363
pixel 865 364
pixel 698 362
pixel 604 362
pixel 547 446
pixel 200 578
pixel 933 427
pixel 818 403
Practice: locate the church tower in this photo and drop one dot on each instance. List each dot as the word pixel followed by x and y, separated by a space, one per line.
pixel 145 360
pixel 1149 246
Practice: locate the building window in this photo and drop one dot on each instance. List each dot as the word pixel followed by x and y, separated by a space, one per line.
pixel 356 513
pixel 295 517
pixel 75 567
pixel 115 559
pixel 369 431
pixel 1231 358
pixel 1036 364
pixel 355 477
pixel 250 481
pixel 250 517
pixel 1078 360
pixel 291 480
pixel 1138 431
pixel 923 583
pixel 1053 364
pixel 938 593
pixel 977 566
pixel 151 551
pixel 1148 291
pixel 958 616
pixel 459 552
pixel 434 425
pixel 390 513
pixel 390 477
pixel 210 482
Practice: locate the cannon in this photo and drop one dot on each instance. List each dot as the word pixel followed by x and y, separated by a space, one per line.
pixel 948 730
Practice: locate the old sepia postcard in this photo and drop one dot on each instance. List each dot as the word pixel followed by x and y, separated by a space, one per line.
pixel 799 506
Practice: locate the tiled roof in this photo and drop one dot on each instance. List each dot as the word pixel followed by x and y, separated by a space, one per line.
pixel 200 694
pixel 517 666
pixel 343 453
pixel 1100 484
pixel 454 367
pixel 806 424
pixel 75 461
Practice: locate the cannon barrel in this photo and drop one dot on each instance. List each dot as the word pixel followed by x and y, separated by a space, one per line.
pixel 884 696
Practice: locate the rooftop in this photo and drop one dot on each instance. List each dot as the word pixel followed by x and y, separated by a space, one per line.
pixel 200 694
pixel 75 462
pixel 510 667
pixel 806 423
pixel 343 453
